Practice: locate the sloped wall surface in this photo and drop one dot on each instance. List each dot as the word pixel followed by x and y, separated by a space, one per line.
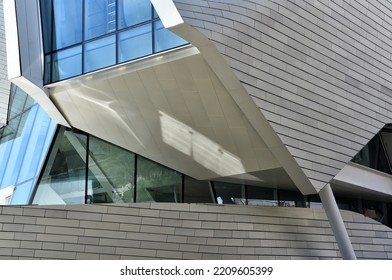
pixel 182 231
pixel 320 71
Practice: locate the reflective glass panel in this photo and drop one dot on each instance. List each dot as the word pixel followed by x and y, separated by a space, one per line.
pixel 111 173
pixel 291 199
pixel 157 183
pixel 36 145
pixel 99 18
pixel 262 196
pixel 67 63
pixel 373 156
pixel 100 53
pixel 135 43
pixel 63 180
pixel 227 193
pixel 46 12
pixel 47 69
pixel 22 193
pixel 197 191
pixel 19 147
pixel 133 12
pixel 165 39
pixel 67 23
pixel 18 102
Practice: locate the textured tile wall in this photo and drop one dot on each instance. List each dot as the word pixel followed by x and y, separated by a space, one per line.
pixel 182 231
pixel 320 71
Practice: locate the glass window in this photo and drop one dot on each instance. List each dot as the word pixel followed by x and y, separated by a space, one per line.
pixel 47 74
pixel 197 191
pixel 63 179
pixel 133 12
pixel 100 53
pixel 111 173
pixel 46 12
pixel 262 196
pixel 227 193
pixel 17 103
pixel 67 63
pixel 315 201
pixel 165 39
pixel 99 18
pixel 157 183
pixel 19 147
pixel 67 23
pixel 36 145
pixel 135 43
pixel 373 156
pixel 291 199
pixel 22 193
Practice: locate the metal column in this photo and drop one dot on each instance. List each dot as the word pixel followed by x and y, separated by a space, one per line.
pixel 336 222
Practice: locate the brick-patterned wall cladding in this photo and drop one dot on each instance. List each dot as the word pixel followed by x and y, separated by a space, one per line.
pixel 320 71
pixel 182 231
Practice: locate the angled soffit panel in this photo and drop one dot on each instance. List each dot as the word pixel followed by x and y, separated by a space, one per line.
pixel 319 75
pixel 4 83
pixel 191 27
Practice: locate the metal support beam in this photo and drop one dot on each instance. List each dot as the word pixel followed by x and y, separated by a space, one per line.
pixel 336 222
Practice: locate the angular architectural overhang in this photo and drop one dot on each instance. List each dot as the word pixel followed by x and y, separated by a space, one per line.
pixel 172 20
pixel 359 181
pixel 24 52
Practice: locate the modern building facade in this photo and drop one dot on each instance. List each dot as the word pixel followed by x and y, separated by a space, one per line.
pixel 196 129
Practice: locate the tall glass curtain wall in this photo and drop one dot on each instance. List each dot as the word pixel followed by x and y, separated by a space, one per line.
pixel 81 36
pixel 24 143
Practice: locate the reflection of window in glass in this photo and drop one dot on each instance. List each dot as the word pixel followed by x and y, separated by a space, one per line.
pixel 22 193
pixel 99 17
pixel 291 199
pixel 100 53
pixel 196 191
pixel 315 201
pixel 111 173
pixel 262 196
pixel 135 43
pixel 373 156
pixel 67 63
pixel 46 17
pixel 157 183
pixel 63 179
pixel 133 12
pixel 67 23
pixel 376 210
pixel 165 39
pixel 228 193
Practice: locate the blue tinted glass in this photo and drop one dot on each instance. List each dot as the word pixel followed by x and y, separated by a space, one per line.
pixel 133 12
pixel 22 193
pixel 67 23
pixel 99 18
pixel 67 63
pixel 100 53
pixel 35 146
pixel 19 147
pixel 165 39
pixel 5 150
pixel 135 43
